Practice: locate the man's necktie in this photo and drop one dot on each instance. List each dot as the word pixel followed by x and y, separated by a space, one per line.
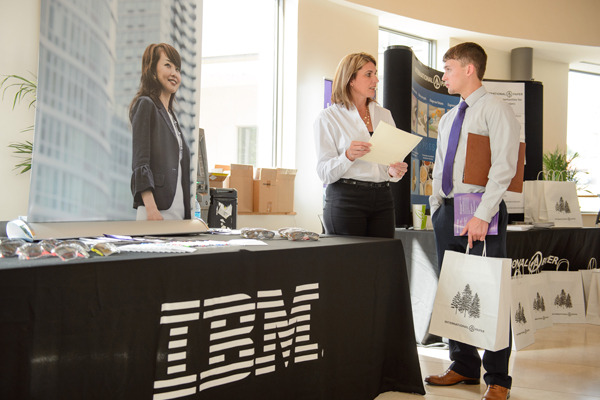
pixel 452 146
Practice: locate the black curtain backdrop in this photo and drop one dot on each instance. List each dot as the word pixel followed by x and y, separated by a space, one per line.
pixel 397 89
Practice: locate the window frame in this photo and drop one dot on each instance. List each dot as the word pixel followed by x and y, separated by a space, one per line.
pixel 432 44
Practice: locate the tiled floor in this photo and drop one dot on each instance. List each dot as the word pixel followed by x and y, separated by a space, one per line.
pixel 562 364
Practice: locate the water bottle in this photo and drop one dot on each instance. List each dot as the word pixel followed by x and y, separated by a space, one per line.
pixel 197 211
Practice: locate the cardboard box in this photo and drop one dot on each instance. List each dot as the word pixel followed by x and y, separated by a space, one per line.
pixel 222 168
pixel 265 190
pixel 241 179
pixel 285 189
pixel 216 179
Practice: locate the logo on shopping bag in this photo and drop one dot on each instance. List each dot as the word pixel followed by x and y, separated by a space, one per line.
pixel 563 300
pixel 467 303
pixel 562 206
pixel 538 303
pixel 520 315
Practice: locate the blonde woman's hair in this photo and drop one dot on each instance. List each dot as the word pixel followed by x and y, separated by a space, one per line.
pixel 345 73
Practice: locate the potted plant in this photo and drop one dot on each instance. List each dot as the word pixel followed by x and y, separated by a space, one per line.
pixel 558 166
pixel 26 89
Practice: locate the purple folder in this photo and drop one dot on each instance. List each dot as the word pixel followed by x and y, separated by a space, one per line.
pixel 465 205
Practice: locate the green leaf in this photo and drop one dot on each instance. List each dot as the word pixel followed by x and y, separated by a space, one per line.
pixel 23 148
pixel 25 88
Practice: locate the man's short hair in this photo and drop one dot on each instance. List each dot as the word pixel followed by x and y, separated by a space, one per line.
pixel 469 53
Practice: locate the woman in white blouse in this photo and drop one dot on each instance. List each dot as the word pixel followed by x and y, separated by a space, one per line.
pixel 358 199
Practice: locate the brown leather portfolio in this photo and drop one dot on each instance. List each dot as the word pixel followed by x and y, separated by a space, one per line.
pixel 479 161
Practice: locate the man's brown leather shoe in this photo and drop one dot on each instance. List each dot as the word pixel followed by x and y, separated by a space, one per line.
pixel 450 378
pixel 495 392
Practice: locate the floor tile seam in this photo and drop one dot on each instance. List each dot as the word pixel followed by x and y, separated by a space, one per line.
pixel 577 340
pixel 568 341
pixel 450 396
pixel 561 362
pixel 512 390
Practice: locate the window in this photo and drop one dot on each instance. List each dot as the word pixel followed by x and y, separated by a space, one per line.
pixel 583 135
pixel 246 145
pixel 423 48
pixel 238 84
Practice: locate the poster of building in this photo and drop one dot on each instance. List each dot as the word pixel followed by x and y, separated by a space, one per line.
pixel 90 62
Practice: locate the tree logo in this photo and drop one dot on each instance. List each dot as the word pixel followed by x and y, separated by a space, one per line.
pixel 467 303
pixel 563 300
pixel 538 303
pixel 520 315
pixel 563 206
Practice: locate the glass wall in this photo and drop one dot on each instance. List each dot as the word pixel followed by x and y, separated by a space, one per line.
pixel 583 135
pixel 239 69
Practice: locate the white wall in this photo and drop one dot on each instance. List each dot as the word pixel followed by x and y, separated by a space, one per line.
pixel 555 77
pixel 20 32
pixel 326 33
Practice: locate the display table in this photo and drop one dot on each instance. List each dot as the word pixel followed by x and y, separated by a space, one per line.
pixel 291 320
pixel 534 250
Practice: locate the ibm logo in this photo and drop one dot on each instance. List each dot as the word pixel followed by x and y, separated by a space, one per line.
pixel 233 355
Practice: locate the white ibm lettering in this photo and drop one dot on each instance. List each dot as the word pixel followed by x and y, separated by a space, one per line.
pixel 233 355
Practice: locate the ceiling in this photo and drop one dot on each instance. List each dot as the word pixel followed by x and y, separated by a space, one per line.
pixel 573 55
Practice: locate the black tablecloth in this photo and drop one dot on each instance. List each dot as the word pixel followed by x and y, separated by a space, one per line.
pixel 291 320
pixel 542 249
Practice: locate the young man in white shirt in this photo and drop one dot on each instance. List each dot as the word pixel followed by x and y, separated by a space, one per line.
pixel 484 114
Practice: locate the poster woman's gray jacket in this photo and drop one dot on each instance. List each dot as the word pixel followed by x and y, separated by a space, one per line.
pixel 156 156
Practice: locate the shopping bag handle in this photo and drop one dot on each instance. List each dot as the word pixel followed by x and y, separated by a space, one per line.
pixel 547 175
pixel 484 253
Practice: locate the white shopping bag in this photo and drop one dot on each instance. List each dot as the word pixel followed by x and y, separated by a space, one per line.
pixel 533 197
pixel 593 307
pixel 586 278
pixel 520 314
pixel 552 201
pixel 566 297
pixel 472 303
pixel 539 295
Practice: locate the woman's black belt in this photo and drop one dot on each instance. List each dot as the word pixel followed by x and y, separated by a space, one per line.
pixel 363 183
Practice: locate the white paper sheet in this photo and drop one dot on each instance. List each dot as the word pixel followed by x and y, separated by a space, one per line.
pixel 390 145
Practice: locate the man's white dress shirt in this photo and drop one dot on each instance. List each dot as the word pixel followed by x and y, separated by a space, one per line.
pixel 486 115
